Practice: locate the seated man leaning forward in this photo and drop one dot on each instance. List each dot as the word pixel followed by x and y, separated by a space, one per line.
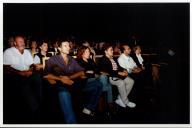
pixel 62 71
pixel 18 67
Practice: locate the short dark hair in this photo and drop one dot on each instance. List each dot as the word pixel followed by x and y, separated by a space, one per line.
pixel 64 39
pixel 122 47
pixel 107 46
pixel 42 42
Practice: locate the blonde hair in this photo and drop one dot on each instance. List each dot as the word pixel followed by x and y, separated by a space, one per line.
pixel 136 47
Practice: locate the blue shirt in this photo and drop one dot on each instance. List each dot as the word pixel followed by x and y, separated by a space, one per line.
pixel 65 69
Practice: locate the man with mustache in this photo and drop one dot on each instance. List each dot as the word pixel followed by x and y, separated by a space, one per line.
pixel 24 85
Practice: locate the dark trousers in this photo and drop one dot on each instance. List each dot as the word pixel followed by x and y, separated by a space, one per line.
pixel 143 81
pixel 22 96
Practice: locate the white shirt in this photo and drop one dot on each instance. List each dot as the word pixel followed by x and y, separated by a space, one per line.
pixel 37 60
pixel 140 58
pixel 126 62
pixel 16 60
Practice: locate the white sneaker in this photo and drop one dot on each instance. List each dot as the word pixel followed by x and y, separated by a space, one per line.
pixel 131 104
pixel 120 103
pixel 86 111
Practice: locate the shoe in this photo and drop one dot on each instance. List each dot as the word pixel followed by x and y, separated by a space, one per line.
pixel 131 104
pixel 86 118
pixel 120 102
pixel 88 112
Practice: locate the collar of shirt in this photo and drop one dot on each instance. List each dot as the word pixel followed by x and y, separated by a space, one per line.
pixel 17 51
pixel 127 57
pixel 129 61
pixel 138 55
pixel 140 58
pixel 69 60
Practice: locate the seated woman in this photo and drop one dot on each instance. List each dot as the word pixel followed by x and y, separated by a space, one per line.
pixel 38 59
pixel 137 57
pixel 92 72
pixel 92 51
pixel 118 77
pixel 33 48
pixel 149 71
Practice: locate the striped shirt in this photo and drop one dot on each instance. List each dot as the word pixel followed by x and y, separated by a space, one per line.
pixel 114 64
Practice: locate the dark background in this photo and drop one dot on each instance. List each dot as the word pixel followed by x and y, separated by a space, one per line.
pixel 153 25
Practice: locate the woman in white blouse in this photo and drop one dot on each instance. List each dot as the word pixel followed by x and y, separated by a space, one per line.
pixel 137 57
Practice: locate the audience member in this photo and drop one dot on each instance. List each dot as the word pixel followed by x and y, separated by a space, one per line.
pixel 38 59
pixel 18 63
pixel 118 77
pixel 33 48
pixel 66 78
pixel 93 74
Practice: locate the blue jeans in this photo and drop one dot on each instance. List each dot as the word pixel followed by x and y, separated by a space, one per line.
pixel 66 106
pixel 94 88
pixel 106 86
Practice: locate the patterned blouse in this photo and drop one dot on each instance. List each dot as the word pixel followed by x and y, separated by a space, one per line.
pixel 114 65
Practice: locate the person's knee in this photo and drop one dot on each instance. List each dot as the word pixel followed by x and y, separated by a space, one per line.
pixel 131 82
pixel 121 84
pixel 103 79
pixel 99 85
pixel 64 95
